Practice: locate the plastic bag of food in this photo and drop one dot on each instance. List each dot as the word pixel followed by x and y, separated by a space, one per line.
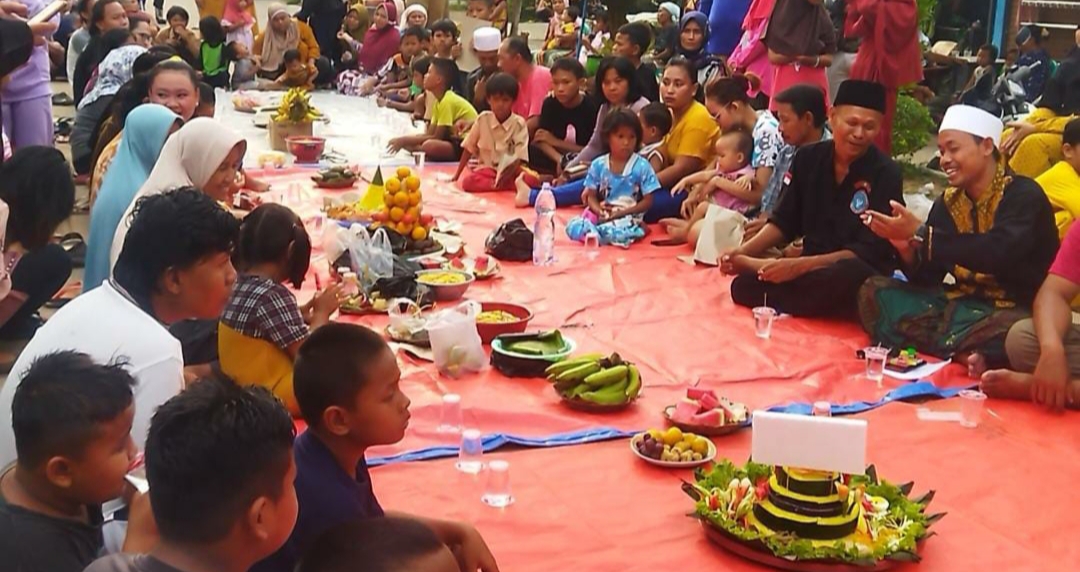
pixel 455 342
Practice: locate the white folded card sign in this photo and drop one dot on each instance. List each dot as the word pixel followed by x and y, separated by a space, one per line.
pixel 806 442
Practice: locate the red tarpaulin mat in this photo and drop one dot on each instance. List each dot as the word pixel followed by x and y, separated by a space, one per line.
pixel 676 321
pixel 1007 487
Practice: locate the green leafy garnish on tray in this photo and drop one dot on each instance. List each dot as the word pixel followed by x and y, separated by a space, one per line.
pixel 890 523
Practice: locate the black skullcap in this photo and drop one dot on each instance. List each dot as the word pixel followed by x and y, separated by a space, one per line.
pixel 866 94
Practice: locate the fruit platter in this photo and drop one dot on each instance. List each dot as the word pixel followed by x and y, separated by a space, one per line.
pixel 672 448
pixel 337 177
pixel 402 211
pixel 804 520
pixel 703 412
pixel 483 267
pixel 595 383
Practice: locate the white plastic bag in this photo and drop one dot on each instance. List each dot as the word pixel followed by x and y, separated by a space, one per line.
pixel 455 341
pixel 371 255
pixel 721 229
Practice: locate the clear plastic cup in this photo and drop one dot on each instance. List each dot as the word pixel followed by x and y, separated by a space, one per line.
pixel 763 319
pixel 451 419
pixel 419 159
pixel 592 245
pixel 497 490
pixel 875 362
pixel 471 455
pixel 822 409
pixel 972 403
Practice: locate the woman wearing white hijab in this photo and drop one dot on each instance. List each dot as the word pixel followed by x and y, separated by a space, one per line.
pixel 415 15
pixel 204 154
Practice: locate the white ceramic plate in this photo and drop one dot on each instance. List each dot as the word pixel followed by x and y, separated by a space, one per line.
pixel 672 464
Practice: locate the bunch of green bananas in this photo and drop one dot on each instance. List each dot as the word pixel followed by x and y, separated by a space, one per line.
pixel 595 378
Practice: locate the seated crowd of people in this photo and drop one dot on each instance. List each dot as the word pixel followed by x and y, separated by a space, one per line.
pixel 188 345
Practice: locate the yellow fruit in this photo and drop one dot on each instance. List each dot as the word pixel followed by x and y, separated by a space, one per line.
pixel 412 183
pixel 701 446
pixel 393 185
pixel 681 446
pixel 396 214
pixel 401 199
pixel 404 228
pixel 414 199
pixel 388 198
pixel 403 172
pixel 672 436
pixel 415 212
pixel 656 434
pixel 419 233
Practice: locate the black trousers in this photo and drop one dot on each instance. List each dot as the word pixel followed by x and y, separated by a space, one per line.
pixel 826 293
pixel 40 274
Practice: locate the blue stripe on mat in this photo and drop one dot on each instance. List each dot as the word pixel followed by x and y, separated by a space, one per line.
pixel 920 389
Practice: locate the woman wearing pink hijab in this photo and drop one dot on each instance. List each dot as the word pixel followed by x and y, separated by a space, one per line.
pixel 751 55
pixel 381 41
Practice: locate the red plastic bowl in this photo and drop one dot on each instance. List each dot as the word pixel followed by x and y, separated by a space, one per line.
pixel 489 332
pixel 306 149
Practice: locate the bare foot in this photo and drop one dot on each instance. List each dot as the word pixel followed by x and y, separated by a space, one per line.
pixel 749 265
pixel 1007 384
pixel 521 198
pixel 976 365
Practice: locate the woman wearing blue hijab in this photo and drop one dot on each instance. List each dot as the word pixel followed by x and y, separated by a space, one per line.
pixel 145 131
pixel 725 24
pixel 693 44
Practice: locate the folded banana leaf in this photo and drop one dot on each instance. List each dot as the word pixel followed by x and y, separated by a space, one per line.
pixel 540 344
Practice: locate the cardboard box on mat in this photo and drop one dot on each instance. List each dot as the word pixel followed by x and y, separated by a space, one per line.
pixel 279 130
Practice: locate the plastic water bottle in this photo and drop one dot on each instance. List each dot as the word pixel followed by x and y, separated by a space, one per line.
pixel 544 230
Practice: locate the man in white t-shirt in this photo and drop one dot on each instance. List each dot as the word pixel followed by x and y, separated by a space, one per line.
pixel 175 266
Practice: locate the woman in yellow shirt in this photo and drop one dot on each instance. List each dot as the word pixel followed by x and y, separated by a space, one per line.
pixel 1062 182
pixel 1034 144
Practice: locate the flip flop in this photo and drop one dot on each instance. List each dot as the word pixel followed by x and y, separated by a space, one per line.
pixel 63 100
pixel 75 245
pixel 669 242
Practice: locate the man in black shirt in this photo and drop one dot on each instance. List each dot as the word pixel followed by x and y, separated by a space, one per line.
pixel 631 42
pixel 566 109
pixel 486 43
pixel 832 184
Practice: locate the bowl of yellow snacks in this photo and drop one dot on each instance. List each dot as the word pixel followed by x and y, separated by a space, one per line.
pixel 498 318
pixel 446 285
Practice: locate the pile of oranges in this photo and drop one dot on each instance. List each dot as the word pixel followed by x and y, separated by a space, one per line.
pixel 403 210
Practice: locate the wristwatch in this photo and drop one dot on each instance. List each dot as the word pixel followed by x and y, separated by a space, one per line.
pixel 921 237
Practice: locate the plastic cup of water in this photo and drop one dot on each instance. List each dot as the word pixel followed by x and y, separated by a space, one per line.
pixel 822 409
pixel 419 159
pixel 471 455
pixel 592 244
pixel 497 490
pixel 763 319
pixel 875 362
pixel 972 402
pixel 451 420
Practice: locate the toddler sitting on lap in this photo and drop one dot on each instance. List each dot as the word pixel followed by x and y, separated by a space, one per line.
pixel 726 186
pixel 618 186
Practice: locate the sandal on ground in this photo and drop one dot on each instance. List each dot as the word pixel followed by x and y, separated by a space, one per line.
pixel 75 245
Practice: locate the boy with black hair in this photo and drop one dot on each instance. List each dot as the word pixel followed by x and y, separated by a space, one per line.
pixel 978 90
pixel 347 383
pixel 389 544
pixel 656 122
pixel 444 36
pixel 175 267
pixel 395 74
pixel 220 467
pixel 449 114
pixel 567 119
pixel 207 101
pixel 499 140
pixel 410 99
pixel 297 73
pixel 632 42
pixel 179 36
pixel 72 423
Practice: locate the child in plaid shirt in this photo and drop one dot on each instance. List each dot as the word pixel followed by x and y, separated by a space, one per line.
pixel 262 327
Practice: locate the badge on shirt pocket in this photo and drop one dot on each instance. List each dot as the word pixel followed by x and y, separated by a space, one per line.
pixel 860 201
